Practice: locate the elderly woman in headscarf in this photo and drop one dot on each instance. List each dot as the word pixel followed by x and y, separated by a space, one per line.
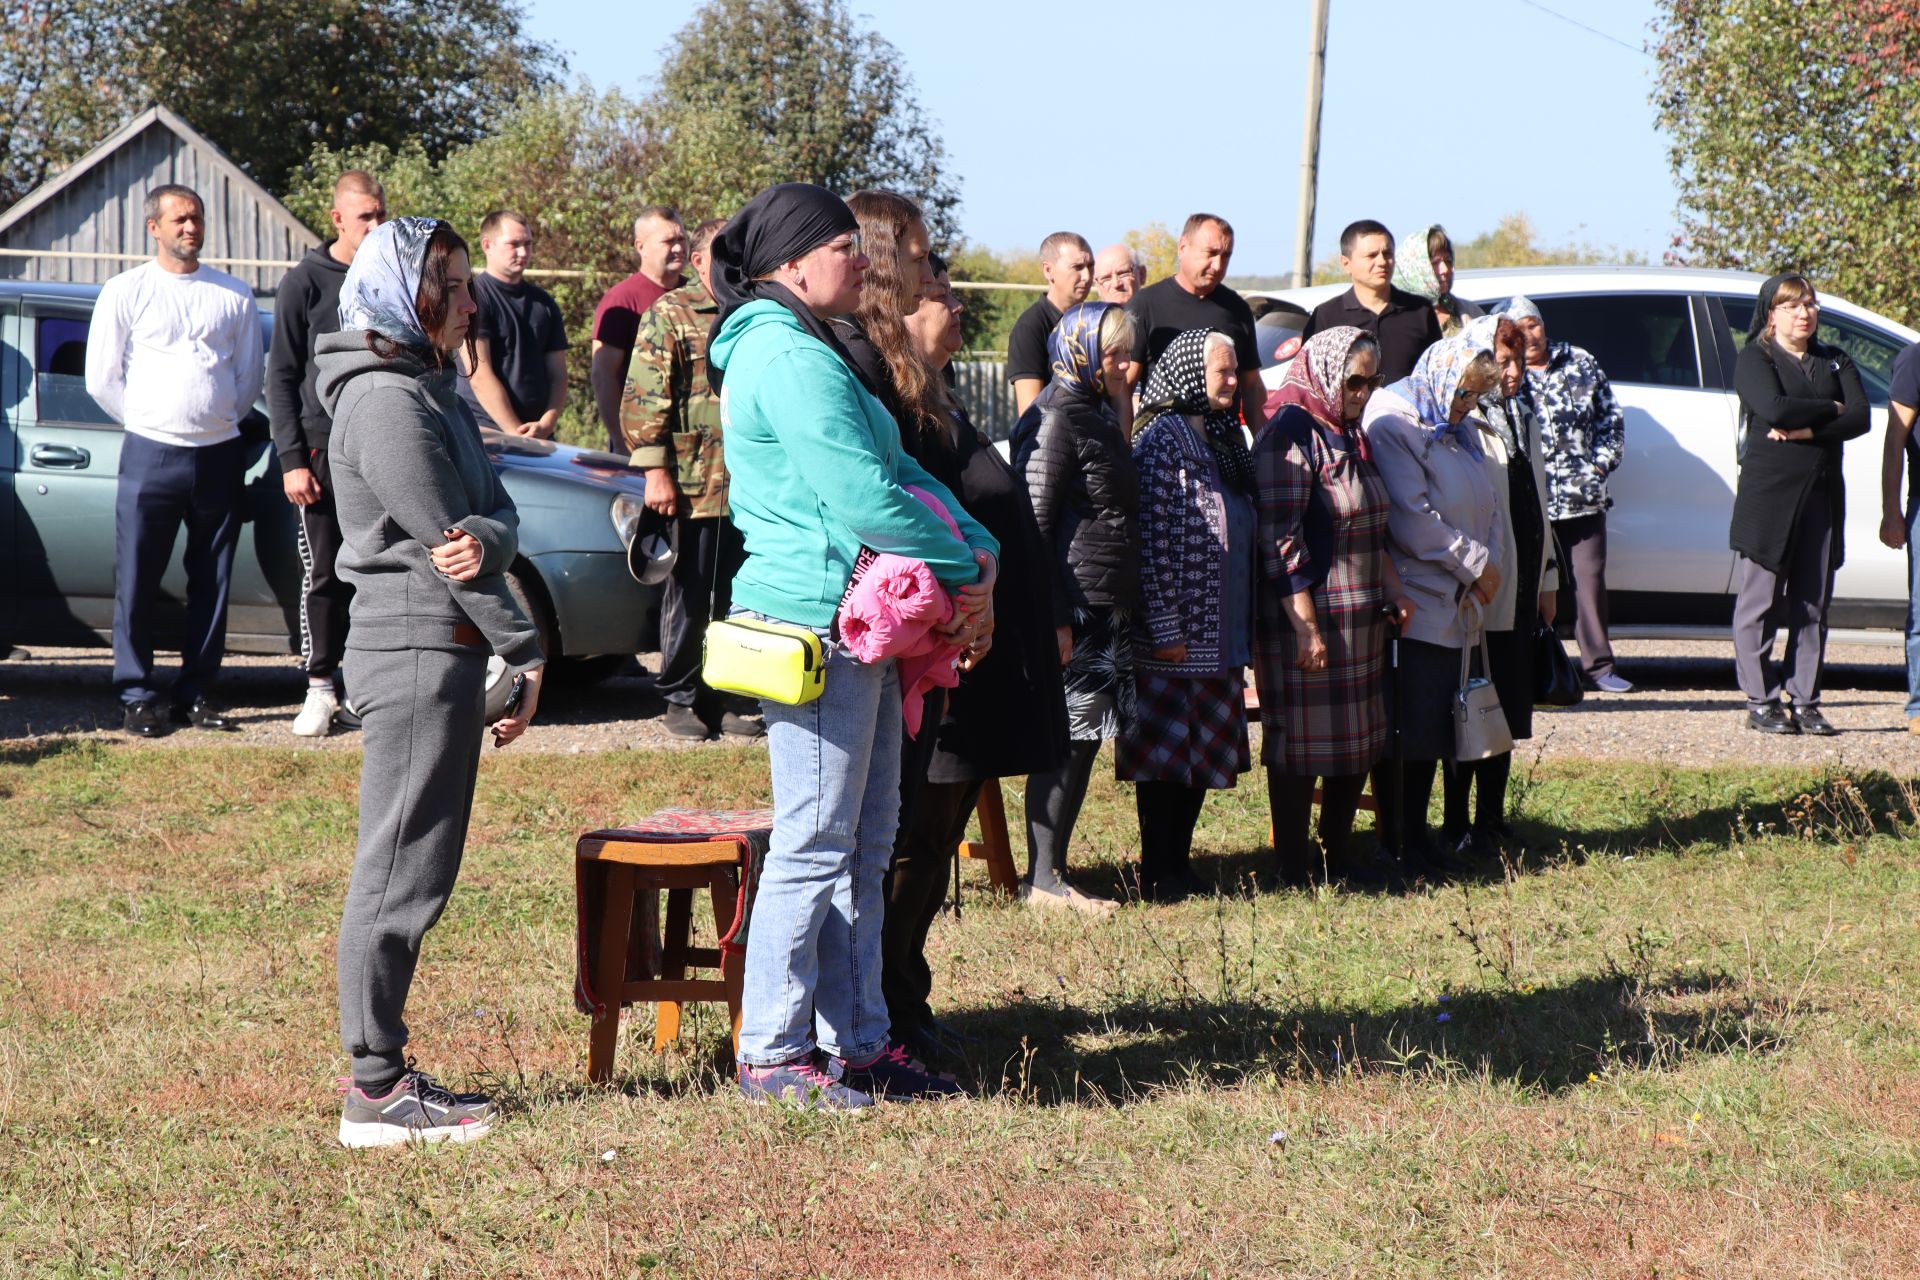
pixel 1423 264
pixel 1443 518
pixel 427 535
pixel 1079 473
pixel 1801 400
pixel 1194 634
pixel 1510 440
pixel 1324 576
pixel 818 473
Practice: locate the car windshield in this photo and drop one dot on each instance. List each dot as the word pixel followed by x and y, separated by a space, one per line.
pixel 1873 352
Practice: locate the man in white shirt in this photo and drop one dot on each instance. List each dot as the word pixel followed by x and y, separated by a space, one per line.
pixel 175 356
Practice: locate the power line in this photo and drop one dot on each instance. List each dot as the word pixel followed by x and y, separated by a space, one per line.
pixel 1594 31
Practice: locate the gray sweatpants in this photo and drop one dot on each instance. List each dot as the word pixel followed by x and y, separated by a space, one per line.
pixel 1798 599
pixel 421 712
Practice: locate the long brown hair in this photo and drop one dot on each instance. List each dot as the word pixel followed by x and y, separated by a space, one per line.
pixel 430 301
pixel 884 218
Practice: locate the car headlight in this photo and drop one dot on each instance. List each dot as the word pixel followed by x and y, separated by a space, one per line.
pixel 625 514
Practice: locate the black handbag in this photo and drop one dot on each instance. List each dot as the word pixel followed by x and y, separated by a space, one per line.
pixel 1556 681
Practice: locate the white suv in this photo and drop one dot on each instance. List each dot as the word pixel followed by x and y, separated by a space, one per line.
pixel 1667 339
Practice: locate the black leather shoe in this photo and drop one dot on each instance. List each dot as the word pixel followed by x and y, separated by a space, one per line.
pixel 1774 719
pixel 682 722
pixel 145 721
pixel 204 715
pixel 1811 721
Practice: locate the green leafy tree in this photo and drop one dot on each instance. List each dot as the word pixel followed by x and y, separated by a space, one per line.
pixel 1795 139
pixel 754 92
pixel 989 313
pixel 64 71
pixel 570 160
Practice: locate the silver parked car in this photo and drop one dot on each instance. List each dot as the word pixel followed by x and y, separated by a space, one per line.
pixel 1667 339
pixel 59 465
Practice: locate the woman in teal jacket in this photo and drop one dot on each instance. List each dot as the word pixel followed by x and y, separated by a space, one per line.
pixel 817 474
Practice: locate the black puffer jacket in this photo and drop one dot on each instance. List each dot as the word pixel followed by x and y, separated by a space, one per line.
pixel 1086 497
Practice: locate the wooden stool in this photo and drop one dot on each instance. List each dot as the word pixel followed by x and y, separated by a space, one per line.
pixel 619 874
pixel 992 847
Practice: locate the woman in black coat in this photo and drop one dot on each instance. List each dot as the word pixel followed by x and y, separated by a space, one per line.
pixel 1079 471
pixel 1800 401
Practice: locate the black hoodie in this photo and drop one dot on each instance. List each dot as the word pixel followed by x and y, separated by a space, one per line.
pixel 306 306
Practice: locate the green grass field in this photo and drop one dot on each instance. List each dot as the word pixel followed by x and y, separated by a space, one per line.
pixel 1681 1041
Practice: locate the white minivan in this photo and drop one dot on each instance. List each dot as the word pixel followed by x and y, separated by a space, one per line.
pixel 1667 338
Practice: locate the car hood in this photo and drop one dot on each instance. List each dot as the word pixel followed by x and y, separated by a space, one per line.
pixel 593 467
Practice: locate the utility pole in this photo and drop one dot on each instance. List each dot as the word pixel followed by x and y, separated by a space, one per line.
pixel 1310 146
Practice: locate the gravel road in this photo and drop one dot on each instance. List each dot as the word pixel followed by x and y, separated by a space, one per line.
pixel 1684 710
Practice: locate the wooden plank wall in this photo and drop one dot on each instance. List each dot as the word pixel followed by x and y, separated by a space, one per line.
pixel 102 213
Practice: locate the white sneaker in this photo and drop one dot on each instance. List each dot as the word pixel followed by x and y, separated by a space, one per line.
pixel 316 716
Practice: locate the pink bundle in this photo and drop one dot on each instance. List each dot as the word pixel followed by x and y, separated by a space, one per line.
pixel 893 611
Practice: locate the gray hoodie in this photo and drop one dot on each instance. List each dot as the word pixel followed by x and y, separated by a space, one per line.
pixel 408 464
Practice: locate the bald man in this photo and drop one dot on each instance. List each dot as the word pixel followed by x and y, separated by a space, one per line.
pixel 1117 272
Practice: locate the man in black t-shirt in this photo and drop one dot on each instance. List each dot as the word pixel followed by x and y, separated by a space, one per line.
pixel 518 381
pixel 1403 323
pixel 1194 298
pixel 1066 260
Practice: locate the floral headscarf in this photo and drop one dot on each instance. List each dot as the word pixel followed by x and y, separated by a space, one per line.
pixel 384 280
pixel 1178 384
pixel 1316 381
pixel 1431 386
pixel 1413 271
pixel 1073 348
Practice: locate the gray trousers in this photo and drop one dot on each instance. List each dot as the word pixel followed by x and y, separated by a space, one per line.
pixel 1764 601
pixel 422 712
pixel 1583 572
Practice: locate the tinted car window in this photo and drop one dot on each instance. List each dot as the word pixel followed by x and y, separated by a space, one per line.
pixel 1873 352
pixel 60 371
pixel 1645 338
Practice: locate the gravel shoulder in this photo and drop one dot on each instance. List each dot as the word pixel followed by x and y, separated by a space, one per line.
pixel 1685 710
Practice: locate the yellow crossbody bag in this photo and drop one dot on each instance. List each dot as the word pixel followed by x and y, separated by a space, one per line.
pixel 769 660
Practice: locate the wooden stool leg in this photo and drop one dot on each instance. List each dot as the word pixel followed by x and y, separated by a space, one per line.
pixel 725 890
pixel 673 965
pixel 992 812
pixel 610 971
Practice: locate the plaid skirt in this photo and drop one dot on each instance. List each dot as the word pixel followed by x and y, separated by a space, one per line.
pixel 1189 730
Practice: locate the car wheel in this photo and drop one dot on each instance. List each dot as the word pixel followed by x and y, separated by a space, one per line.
pixel 528 593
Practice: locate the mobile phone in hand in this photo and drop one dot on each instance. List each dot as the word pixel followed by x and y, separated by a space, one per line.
pixel 515 696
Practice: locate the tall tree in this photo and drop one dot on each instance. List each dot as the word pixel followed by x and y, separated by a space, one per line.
pixel 1795 139
pixel 266 80
pixel 755 92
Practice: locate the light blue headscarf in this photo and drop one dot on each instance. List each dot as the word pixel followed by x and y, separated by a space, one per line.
pixel 1431 386
pixel 1522 308
pixel 384 280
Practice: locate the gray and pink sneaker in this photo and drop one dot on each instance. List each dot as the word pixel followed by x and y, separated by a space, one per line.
pixel 417 1109
pixel 804 1082
pixel 898 1076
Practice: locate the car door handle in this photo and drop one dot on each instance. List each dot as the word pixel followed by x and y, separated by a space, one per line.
pixel 59 455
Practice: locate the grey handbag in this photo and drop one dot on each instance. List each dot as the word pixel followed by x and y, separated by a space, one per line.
pixel 1479 724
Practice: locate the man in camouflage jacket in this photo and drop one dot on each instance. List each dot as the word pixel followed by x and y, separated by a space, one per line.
pixel 670 417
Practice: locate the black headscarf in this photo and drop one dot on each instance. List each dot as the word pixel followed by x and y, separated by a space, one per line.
pixel 780 224
pixel 1765 307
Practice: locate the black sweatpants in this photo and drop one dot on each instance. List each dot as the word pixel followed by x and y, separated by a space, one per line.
pixel 689 598
pixel 324 595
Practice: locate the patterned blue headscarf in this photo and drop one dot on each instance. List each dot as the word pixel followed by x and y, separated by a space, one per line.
pixel 1073 348
pixel 384 280
pixel 1431 386
pixel 1521 308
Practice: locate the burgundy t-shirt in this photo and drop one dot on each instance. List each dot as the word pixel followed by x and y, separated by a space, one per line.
pixel 616 321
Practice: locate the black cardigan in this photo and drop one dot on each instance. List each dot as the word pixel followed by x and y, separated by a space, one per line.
pixel 1778 477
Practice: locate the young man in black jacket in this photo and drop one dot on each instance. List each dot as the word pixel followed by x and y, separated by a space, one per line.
pixel 306 306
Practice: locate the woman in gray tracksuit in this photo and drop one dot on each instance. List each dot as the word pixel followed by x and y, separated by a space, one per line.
pixel 427 533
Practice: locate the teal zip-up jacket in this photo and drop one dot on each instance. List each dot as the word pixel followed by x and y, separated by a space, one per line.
pixel 817 472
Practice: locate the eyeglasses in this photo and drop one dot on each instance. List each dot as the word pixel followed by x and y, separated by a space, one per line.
pixel 1798 304
pixel 850 246
pixel 1115 277
pixel 1359 382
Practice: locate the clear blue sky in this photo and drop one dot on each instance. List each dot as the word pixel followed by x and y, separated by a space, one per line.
pixel 1460 121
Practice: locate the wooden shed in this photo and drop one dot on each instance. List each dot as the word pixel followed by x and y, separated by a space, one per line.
pixel 87 222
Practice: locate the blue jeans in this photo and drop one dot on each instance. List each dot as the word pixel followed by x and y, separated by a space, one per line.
pixel 1913 613
pixel 813 951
